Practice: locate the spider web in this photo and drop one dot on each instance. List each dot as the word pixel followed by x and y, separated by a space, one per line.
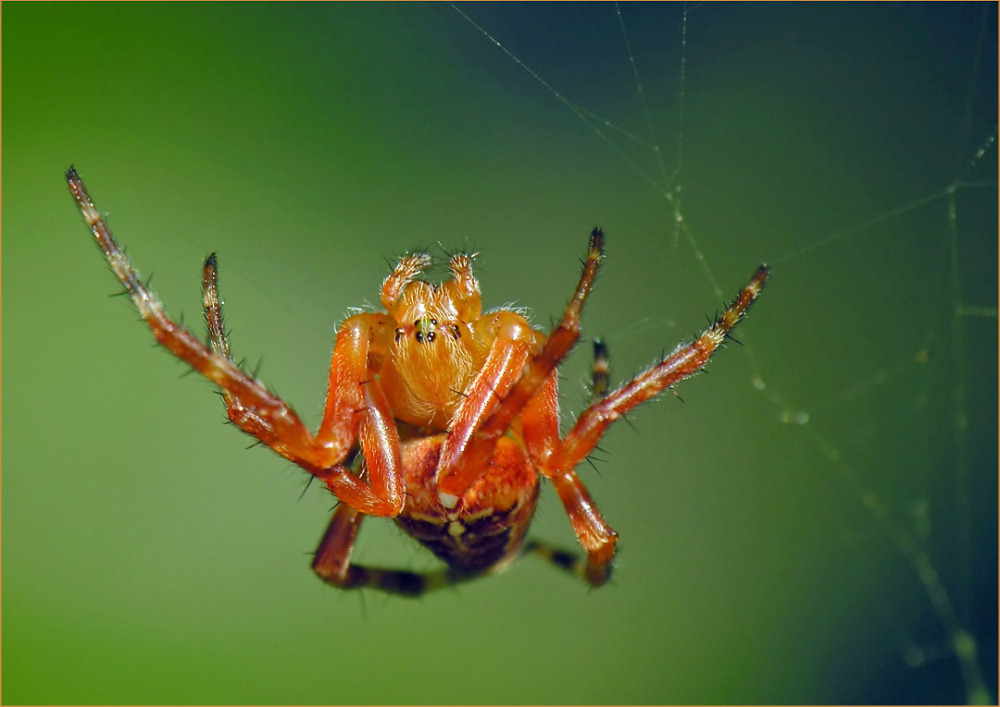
pixel 914 409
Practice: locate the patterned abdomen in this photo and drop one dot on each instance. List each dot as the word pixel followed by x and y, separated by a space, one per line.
pixel 487 525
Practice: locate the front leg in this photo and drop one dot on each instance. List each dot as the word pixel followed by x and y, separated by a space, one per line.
pixel 465 454
pixel 496 399
pixel 558 345
pixel 359 409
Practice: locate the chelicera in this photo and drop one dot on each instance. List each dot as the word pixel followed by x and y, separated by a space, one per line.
pixel 439 415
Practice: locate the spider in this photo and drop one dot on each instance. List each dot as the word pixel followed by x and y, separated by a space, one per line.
pixel 437 415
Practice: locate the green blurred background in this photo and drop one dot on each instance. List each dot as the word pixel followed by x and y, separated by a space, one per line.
pixel 148 558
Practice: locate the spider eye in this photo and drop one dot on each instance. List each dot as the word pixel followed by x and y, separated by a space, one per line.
pixel 425 330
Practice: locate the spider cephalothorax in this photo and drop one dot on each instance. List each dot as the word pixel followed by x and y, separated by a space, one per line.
pixel 438 343
pixel 437 415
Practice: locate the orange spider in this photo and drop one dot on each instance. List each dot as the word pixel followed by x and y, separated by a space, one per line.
pixel 437 415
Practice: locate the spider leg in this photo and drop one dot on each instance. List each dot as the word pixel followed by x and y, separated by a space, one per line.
pixel 471 443
pixel 333 556
pixel 682 363
pixel 567 560
pixel 363 413
pixel 557 458
pixel 218 339
pixel 465 454
pixel 601 373
pixel 332 563
pixel 540 426
pixel 556 348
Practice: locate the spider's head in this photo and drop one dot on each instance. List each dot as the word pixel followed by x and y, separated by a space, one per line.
pixel 433 353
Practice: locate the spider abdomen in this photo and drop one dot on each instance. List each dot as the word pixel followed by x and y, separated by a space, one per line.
pixel 486 527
